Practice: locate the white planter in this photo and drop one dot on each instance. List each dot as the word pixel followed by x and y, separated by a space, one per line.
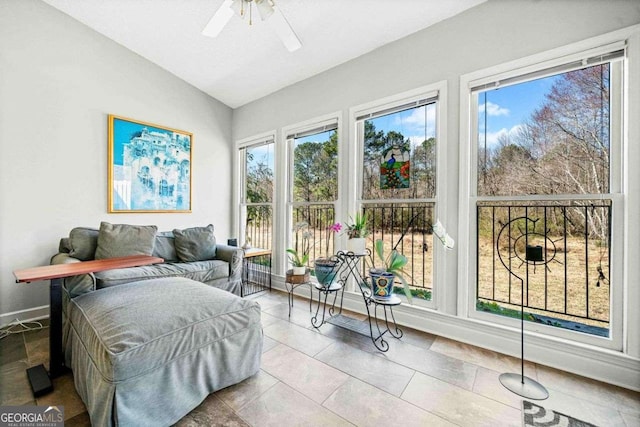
pixel 357 245
pixel 299 271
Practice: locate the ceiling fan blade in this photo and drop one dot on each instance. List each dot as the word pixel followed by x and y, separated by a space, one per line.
pixel 219 20
pixel 279 24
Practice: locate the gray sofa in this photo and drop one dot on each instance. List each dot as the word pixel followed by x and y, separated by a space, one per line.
pixel 148 344
pixel 222 267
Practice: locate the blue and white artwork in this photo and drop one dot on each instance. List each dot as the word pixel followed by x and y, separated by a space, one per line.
pixel 150 167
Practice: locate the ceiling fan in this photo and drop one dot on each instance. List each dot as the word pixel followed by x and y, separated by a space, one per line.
pixel 268 12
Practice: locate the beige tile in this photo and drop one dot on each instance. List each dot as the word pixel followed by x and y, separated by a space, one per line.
pixel 281 406
pixel 37 347
pixel 242 393
pixel 481 357
pixel 488 384
pixel 581 409
pixel 297 337
pixel 595 391
pixel 310 377
pixel 300 314
pixel 354 339
pixel 64 393
pixel 268 303
pixel 418 338
pixel 14 385
pixel 12 349
pixel 457 405
pixel 266 319
pixel 446 368
pixel 268 343
pixel 381 373
pixel 365 405
pixel 212 413
pixel 80 420
pixel 630 420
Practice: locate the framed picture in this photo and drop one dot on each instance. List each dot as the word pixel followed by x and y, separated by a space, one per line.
pixel 149 167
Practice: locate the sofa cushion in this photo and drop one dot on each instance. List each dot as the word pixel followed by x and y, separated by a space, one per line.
pixel 201 271
pixel 83 242
pixel 195 244
pixel 117 240
pixel 164 247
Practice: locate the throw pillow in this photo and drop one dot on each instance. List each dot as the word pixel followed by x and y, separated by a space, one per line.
pixel 83 242
pixel 117 240
pixel 195 244
pixel 165 247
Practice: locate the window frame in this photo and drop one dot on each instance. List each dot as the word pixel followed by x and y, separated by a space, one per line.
pixel 534 67
pixel 438 92
pixel 316 123
pixel 242 146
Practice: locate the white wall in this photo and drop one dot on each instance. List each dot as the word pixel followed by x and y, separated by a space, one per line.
pixel 58 81
pixel 490 34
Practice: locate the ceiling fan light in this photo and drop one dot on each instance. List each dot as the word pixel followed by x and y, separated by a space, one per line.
pixel 264 8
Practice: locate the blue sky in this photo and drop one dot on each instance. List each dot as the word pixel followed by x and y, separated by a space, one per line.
pixel 417 124
pixel 509 107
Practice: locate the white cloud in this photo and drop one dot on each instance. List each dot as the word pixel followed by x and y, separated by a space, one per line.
pixel 494 137
pixel 493 109
pixel 416 122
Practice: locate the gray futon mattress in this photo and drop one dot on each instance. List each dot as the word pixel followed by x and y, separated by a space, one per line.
pixel 148 352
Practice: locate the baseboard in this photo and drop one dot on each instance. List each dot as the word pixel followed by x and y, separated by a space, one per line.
pixel 30 314
pixel 589 361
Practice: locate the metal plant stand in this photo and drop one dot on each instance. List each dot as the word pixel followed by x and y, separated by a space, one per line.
pixel 327 286
pixel 350 268
pixel 292 281
pixel 519 383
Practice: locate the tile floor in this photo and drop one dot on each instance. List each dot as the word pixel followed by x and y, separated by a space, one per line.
pixel 334 377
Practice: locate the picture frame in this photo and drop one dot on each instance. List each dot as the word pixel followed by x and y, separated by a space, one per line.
pixel 149 167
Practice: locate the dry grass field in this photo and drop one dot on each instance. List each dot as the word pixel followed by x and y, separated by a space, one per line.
pixel 496 284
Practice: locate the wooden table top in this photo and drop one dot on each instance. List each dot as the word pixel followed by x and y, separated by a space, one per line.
pixel 251 252
pixel 56 271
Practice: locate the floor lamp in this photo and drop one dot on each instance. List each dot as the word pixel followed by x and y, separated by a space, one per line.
pixel 519 383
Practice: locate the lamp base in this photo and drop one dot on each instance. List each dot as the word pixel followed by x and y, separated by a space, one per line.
pixel 524 386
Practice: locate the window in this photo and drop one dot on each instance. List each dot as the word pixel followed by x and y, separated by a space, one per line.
pixel 398 191
pixel 548 181
pixel 257 193
pixel 314 183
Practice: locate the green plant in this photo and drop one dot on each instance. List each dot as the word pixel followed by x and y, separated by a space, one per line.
pixel 357 227
pixel 299 254
pixel 424 294
pixel 393 263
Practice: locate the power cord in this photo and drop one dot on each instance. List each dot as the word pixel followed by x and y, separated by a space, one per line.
pixel 11 328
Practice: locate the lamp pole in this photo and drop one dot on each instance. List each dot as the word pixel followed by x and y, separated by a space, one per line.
pixel 519 383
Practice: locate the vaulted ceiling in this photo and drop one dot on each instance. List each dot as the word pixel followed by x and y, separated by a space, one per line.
pixel 246 62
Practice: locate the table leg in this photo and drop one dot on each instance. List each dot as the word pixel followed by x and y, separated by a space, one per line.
pixel 56 364
pixel 38 377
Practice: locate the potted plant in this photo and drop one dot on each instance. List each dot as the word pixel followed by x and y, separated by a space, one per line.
pixel 382 279
pixel 326 267
pixel 357 232
pixel 299 254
